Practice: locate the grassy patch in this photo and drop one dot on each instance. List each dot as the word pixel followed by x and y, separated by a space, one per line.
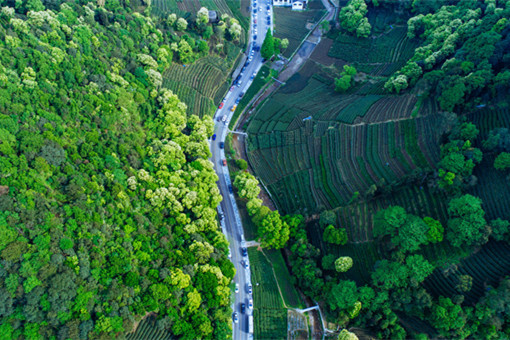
pixel 284 278
pixel 270 317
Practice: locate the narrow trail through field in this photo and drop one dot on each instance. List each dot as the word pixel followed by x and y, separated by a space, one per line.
pixel 381 122
pixel 275 279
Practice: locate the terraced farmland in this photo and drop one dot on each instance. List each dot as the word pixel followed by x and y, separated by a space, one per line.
pixel 486 267
pixel 147 329
pixel 270 316
pixel 492 187
pixel 324 164
pixel 315 148
pixel 197 84
pixel 183 8
pixel 385 55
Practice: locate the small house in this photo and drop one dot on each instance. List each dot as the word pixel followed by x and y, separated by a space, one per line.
pixel 297 5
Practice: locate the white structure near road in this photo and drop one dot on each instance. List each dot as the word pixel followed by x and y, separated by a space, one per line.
pixel 297 5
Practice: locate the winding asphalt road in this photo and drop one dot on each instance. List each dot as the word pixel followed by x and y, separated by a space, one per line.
pixel 231 222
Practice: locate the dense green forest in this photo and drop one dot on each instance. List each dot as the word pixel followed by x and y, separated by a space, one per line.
pixel 107 197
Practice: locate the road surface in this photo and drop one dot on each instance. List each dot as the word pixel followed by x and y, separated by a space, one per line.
pixel 231 223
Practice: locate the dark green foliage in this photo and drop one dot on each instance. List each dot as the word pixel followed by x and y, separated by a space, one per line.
pixel 407 232
pixel 499 229
pixel 267 50
pixel 467 225
pixel 241 164
pixel 502 162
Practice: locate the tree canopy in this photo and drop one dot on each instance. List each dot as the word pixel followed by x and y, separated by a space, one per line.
pixel 108 196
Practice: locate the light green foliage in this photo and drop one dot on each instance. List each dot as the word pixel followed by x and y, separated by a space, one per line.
pixel 284 43
pixel 346 335
pixel 185 52
pixel 172 18
pixel 352 18
pixel 273 232
pixel 502 162
pixel 30 283
pixel 343 264
pixel 247 185
pixel 181 24
pixel 107 194
pixel 343 83
pixel 467 225
pixel 396 83
pixel 203 16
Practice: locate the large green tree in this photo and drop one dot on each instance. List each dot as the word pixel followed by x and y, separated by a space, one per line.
pixel 352 18
pixel 467 225
pixel 267 50
pixel 273 231
pixel 407 232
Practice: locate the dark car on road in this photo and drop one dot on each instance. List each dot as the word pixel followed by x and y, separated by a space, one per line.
pixel 230 188
pixel 222 145
pixel 244 251
pixel 243 308
pixel 214 137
